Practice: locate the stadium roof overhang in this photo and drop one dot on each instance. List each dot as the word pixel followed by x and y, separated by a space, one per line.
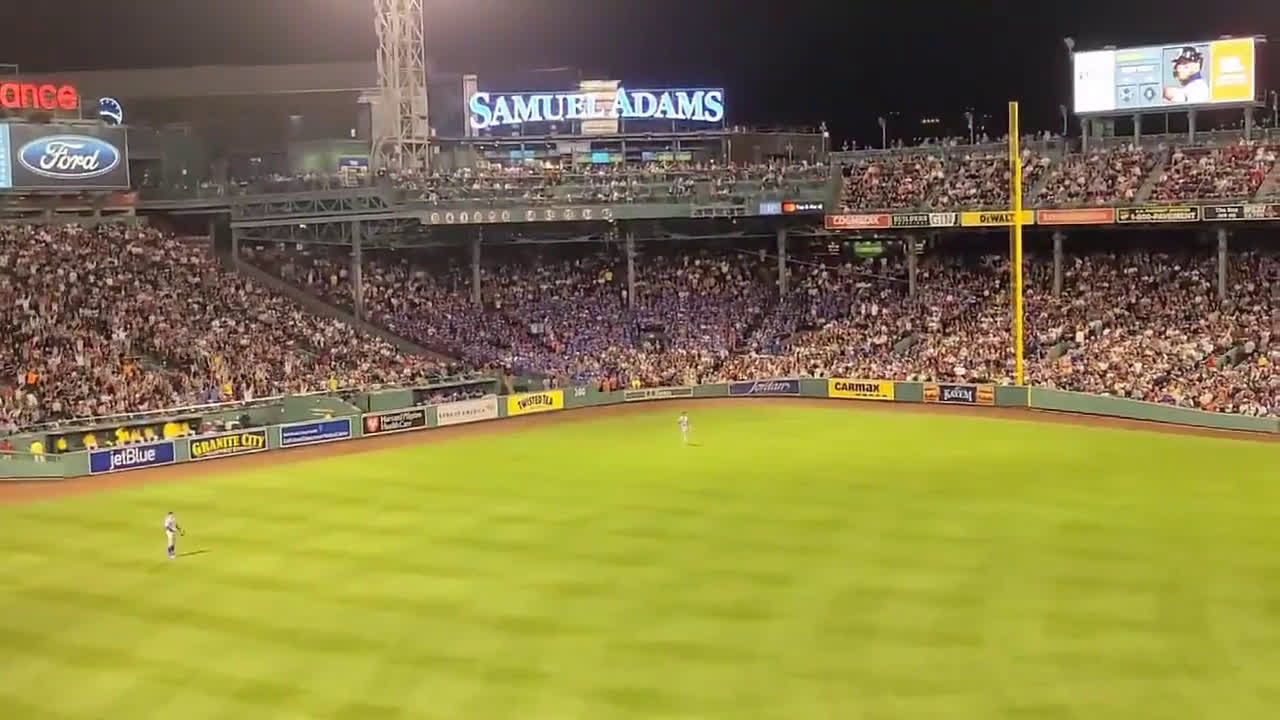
pixel 218 80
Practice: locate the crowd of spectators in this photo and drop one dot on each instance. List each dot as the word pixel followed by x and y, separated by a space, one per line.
pixel 1232 172
pixel 565 318
pixel 892 180
pixel 980 180
pixel 1137 324
pixel 537 182
pixel 117 319
pixel 1099 177
pixel 956 178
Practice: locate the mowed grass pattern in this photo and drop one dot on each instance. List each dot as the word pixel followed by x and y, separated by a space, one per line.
pixel 800 563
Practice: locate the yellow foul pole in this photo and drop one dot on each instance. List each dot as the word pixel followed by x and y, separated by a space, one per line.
pixel 1015 178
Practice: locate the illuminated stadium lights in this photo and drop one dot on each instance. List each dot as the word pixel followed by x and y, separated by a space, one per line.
pixel 30 96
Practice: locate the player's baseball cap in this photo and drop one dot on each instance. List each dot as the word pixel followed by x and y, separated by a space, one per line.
pixel 1188 55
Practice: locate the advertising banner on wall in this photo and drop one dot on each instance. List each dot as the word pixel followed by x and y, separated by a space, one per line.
pixel 319 431
pixel 227 444
pixel 131 458
pixel 960 394
pixel 860 389
pixel 924 220
pixel 1241 212
pixel 1161 214
pixel 765 387
pixel 466 411
pixel 535 402
pixel 395 421
pixel 660 393
pixel 995 219
pixel 1079 216
pixel 857 222
pixel 57 157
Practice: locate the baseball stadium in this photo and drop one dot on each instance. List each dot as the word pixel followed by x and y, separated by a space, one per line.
pixel 353 390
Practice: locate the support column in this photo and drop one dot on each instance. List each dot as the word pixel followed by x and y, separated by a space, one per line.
pixel 631 270
pixel 1222 263
pixel 357 264
pixel 1191 126
pixel 235 247
pixel 913 262
pixel 1084 134
pixel 1058 237
pixel 782 262
pixel 475 268
pixel 1137 128
pixel 1248 123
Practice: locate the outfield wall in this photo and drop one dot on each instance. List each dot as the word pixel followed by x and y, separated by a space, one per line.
pixel 347 423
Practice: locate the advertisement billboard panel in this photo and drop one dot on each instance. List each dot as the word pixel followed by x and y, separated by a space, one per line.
pixel 395 421
pixel 765 387
pixel 466 411
pixel 131 457
pixel 857 222
pixel 319 431
pixel 535 402
pixel 56 157
pixel 1164 77
pixel 241 442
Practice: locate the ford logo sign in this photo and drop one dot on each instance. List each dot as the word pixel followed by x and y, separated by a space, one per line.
pixel 69 157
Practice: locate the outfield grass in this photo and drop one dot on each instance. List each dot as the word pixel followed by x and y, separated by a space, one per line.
pixel 801 563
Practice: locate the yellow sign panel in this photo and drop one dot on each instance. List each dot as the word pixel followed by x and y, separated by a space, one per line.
pixel 1231 70
pixel 995 219
pixel 860 389
pixel 535 402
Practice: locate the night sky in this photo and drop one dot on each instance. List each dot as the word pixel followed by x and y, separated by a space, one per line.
pixel 782 62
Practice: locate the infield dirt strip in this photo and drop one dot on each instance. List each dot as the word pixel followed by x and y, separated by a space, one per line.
pixel 19 491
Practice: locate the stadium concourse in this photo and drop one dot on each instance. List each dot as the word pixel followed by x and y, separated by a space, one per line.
pixel 535 183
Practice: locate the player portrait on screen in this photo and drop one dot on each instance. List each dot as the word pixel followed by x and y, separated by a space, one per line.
pixel 1189 84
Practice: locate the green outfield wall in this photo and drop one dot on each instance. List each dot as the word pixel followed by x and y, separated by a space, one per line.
pixel 317 420
pixel 1072 402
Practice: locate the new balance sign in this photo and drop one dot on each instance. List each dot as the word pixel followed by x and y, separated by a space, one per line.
pixel 466 411
pixel 663 393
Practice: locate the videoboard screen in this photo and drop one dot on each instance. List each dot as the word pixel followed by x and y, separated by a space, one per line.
pixel 55 157
pixel 1165 76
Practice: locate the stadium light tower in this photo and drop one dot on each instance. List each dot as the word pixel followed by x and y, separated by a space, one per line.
pixel 402 80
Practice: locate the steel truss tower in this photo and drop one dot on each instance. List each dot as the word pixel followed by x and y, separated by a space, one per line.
pixel 402 79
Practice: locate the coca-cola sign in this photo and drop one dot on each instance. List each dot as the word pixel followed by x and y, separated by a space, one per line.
pixel 45 156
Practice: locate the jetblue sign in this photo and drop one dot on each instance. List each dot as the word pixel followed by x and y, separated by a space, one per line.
pixel 47 156
pixel 131 457
pixel 701 105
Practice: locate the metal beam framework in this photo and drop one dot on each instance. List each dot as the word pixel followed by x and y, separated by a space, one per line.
pixel 294 207
pixel 402 80
pixel 379 233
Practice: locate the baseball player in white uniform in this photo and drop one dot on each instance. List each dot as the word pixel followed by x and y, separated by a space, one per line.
pixel 171 531
pixel 684 427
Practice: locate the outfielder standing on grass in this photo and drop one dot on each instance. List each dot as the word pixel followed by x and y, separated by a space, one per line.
pixel 684 427
pixel 171 530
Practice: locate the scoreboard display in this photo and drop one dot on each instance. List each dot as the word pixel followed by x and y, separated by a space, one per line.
pixel 1165 77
